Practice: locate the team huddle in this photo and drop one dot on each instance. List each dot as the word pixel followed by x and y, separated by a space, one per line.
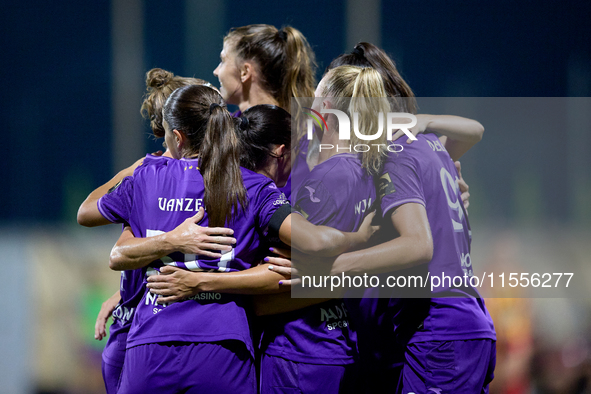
pixel 205 255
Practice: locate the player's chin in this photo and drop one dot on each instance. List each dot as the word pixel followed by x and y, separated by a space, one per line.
pixel 226 95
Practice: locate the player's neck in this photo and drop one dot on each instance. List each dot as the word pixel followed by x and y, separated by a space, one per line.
pixel 256 96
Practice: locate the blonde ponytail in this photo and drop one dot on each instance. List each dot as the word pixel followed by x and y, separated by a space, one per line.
pixel 368 99
pixel 361 90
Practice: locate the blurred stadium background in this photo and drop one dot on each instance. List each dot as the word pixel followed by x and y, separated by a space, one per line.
pixel 72 82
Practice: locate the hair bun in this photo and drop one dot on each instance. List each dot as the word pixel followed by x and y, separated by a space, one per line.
pixel 157 77
pixel 358 51
pixel 282 34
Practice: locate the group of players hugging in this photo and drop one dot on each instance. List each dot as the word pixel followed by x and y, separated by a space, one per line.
pixel 205 303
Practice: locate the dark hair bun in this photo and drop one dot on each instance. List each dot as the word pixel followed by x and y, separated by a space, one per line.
pixel 358 51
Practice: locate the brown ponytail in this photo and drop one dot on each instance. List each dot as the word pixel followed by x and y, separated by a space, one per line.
pixel 300 67
pixel 200 113
pixel 300 71
pixel 159 85
pixel 219 163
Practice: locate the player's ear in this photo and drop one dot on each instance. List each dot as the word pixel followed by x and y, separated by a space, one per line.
pixel 280 151
pixel 180 139
pixel 246 72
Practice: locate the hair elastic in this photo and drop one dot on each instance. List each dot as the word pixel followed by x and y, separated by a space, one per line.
pixel 212 106
pixel 358 51
pixel 244 123
pixel 282 34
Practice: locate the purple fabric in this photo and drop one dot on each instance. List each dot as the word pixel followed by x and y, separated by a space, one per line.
pixel 318 334
pixel 131 290
pixel 286 189
pixel 111 376
pixel 459 367
pixel 337 193
pixel 161 194
pixel 284 376
pixel 299 168
pixel 372 321
pixel 176 367
pixel 424 173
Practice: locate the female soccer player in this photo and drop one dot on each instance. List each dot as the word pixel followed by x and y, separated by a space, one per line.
pixel 210 330
pixel 122 305
pixel 449 342
pixel 381 356
pixel 303 349
pixel 182 286
pixel 457 134
pixel 313 349
pixel 260 64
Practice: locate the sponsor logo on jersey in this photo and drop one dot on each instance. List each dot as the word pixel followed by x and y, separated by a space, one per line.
pixel 206 296
pixel 312 191
pixel 335 316
pixel 385 185
pixel 123 314
pixel 362 206
pixel 116 186
pixel 299 209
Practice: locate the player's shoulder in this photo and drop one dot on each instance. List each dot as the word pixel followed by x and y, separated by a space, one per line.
pixel 256 183
pixel 335 168
pixel 423 150
pixel 253 178
pixel 151 160
pixel 153 163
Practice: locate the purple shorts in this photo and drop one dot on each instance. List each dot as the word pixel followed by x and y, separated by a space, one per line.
pixel 174 367
pixel 442 367
pixel 111 375
pixel 279 375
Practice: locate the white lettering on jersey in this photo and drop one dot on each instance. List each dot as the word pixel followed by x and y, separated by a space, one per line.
pixel 179 204
pixel 436 146
pixel 362 206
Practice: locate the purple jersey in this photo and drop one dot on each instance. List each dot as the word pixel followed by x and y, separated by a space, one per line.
pixel 162 193
pixel 299 169
pixel 337 193
pixel 424 174
pixel 131 290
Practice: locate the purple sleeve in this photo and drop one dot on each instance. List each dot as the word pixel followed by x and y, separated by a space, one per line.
pixel 115 206
pixel 269 199
pixel 400 184
pixel 315 202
